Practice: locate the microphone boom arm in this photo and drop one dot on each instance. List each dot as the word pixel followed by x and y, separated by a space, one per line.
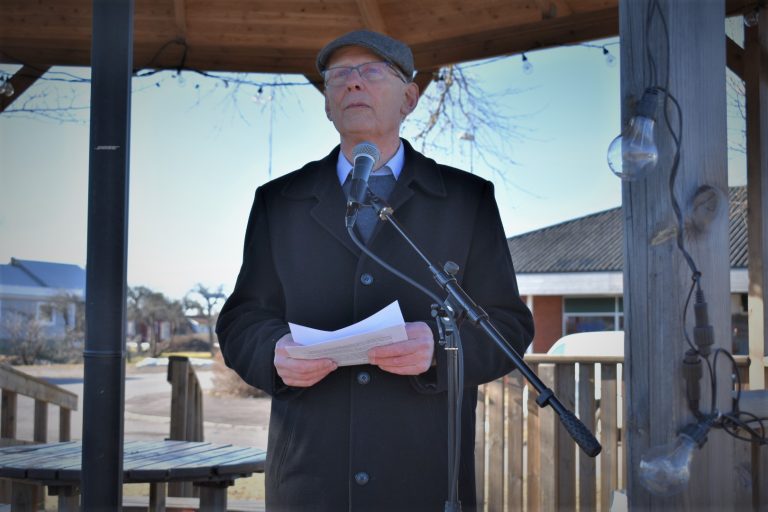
pixel 463 304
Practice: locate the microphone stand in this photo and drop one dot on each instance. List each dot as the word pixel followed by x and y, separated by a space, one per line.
pixel 459 305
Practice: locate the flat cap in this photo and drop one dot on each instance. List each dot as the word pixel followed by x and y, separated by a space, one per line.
pixel 393 51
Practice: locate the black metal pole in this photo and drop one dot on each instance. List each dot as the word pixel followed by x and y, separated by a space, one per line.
pixel 104 355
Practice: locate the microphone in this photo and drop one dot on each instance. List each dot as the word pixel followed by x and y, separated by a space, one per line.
pixel 364 155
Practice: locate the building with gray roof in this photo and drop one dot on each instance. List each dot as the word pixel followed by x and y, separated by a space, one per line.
pixel 39 293
pixel 572 273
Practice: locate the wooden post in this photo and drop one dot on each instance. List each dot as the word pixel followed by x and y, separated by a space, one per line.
pixel 587 472
pixel 495 496
pixel 548 447
pixel 65 424
pixel 609 457
pixel 178 376
pixel 213 496
pixel 514 482
pixel 157 496
pixel 565 389
pixel 8 415
pixel 656 276
pixel 68 497
pixel 756 91
pixel 533 482
pixel 40 434
pixel 480 447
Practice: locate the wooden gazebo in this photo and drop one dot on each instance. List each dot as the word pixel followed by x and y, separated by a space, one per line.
pixel 283 36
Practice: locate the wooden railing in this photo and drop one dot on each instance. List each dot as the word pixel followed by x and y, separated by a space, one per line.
pixel 186 412
pixel 13 383
pixel 526 461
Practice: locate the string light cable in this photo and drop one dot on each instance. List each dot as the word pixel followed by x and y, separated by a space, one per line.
pixel 736 422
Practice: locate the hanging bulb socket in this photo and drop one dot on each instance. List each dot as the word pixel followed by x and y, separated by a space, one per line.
pixel 692 373
pixel 634 154
pixel 703 332
pixel 752 18
pixel 649 103
pixel 609 57
pixel 527 66
pixel 6 88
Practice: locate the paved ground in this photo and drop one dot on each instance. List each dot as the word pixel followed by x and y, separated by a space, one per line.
pixel 147 404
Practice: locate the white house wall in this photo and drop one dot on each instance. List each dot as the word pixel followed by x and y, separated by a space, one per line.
pixel 595 283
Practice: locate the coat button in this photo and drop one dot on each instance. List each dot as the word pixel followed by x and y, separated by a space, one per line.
pixel 363 378
pixel 361 478
pixel 366 279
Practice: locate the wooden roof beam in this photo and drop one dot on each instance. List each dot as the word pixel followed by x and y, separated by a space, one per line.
pixel 734 57
pixel 522 38
pixel 425 77
pixel 21 81
pixel 313 79
pixel 371 14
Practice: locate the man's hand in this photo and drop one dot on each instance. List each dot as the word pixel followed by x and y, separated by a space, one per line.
pixel 300 373
pixel 410 357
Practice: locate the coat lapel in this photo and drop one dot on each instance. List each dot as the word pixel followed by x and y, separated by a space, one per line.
pixel 321 182
pixel 331 208
pixel 318 182
pixel 420 175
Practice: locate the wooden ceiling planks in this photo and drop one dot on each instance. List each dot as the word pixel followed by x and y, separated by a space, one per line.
pixel 284 35
pixel 371 15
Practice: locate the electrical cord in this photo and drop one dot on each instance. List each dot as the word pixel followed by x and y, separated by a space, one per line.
pixel 458 382
pixel 730 422
pixel 393 270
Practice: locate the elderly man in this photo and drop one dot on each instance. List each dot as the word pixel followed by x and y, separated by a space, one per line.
pixel 367 437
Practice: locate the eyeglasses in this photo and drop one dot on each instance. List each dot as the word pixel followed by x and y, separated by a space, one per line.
pixel 370 72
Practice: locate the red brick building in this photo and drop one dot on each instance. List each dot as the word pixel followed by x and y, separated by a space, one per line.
pixel 571 274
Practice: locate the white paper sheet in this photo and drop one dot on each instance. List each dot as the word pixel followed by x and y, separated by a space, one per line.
pixel 349 345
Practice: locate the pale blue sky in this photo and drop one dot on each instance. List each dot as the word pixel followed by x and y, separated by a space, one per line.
pixel 196 160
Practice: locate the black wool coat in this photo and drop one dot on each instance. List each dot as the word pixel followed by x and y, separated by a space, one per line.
pixel 363 439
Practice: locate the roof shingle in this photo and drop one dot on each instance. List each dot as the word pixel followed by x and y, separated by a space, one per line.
pixel 594 243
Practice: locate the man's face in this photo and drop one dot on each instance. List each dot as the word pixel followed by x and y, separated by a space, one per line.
pixel 362 110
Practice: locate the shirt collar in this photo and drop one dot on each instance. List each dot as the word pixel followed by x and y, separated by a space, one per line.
pixel 344 166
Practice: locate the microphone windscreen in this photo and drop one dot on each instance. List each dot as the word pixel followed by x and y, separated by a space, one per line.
pixel 368 149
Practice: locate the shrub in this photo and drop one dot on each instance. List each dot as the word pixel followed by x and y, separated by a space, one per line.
pixel 188 343
pixel 227 382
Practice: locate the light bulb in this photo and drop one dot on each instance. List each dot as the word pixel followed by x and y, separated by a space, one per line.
pixel 633 154
pixel 527 66
pixel 752 18
pixel 665 470
pixel 609 58
pixel 6 88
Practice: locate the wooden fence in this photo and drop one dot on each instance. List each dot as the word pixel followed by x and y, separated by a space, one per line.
pixel 14 383
pixel 526 461
pixel 186 412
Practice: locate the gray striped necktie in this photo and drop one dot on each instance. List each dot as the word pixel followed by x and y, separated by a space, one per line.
pixel 381 184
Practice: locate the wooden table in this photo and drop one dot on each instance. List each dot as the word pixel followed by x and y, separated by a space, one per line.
pixel 212 467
